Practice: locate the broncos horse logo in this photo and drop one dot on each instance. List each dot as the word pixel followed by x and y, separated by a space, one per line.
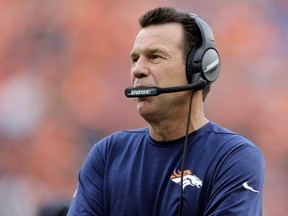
pixel 188 179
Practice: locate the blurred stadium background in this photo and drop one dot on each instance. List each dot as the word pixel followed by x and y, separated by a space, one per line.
pixel 64 65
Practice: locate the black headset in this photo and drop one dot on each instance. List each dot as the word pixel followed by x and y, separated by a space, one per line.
pixel 202 65
pixel 203 61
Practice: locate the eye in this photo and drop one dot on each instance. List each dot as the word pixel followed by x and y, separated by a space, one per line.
pixel 155 56
pixel 134 59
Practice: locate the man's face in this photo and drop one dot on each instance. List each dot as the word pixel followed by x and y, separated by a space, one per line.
pixel 157 60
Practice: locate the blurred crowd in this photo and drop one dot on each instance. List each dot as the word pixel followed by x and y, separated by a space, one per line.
pixel 65 64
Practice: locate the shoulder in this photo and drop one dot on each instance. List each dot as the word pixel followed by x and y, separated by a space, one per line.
pixel 224 135
pixel 127 135
pixel 227 144
pixel 120 139
pixel 115 143
pixel 237 145
pixel 233 157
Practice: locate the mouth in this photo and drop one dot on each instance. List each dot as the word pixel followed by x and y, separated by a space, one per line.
pixel 141 86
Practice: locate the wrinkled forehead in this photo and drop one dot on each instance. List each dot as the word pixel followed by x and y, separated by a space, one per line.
pixel 164 35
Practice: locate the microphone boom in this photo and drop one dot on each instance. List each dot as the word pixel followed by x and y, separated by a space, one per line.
pixel 154 91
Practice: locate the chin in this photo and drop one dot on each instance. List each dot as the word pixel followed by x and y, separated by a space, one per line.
pixel 143 108
pixel 148 114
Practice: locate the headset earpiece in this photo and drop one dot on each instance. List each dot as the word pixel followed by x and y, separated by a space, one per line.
pixel 203 62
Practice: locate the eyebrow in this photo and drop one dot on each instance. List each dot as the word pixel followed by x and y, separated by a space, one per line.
pixel 146 51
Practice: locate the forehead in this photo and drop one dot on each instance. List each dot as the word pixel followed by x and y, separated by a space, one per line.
pixel 167 36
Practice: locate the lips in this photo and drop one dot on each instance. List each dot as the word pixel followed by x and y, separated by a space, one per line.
pixel 142 85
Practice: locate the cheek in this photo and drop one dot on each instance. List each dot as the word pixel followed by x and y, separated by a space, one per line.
pixel 181 74
pixel 132 78
pixel 177 75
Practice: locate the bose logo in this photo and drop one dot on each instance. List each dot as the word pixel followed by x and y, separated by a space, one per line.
pixel 140 92
pixel 213 64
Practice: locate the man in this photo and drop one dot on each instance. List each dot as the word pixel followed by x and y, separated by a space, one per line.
pixel 175 166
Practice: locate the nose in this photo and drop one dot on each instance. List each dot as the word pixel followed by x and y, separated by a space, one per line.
pixel 140 68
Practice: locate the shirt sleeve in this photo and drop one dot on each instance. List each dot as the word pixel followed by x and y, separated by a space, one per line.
pixel 88 198
pixel 237 183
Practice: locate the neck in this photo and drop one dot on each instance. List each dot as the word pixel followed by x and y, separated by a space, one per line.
pixel 172 129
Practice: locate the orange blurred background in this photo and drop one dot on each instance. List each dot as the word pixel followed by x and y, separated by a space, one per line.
pixel 65 64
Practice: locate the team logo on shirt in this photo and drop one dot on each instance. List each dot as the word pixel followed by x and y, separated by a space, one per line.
pixel 188 179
